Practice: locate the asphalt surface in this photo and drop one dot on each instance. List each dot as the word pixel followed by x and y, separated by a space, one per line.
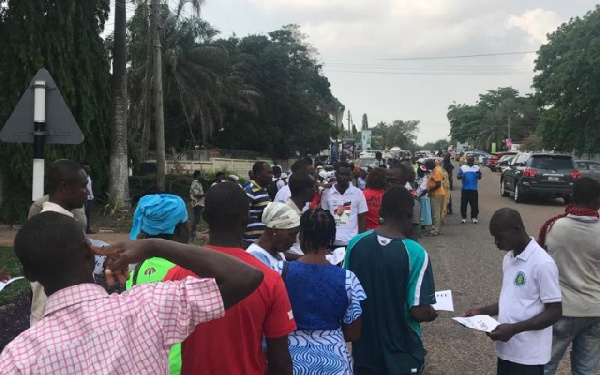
pixel 466 260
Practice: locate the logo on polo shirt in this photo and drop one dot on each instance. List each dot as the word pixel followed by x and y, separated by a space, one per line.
pixel 520 279
pixel 149 271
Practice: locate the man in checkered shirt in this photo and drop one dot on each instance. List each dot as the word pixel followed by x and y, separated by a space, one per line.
pixel 86 331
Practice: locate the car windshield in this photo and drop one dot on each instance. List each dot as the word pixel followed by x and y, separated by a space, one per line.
pixel 363 162
pixel 505 157
pixel 552 162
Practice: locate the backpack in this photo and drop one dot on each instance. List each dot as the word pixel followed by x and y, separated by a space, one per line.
pixel 272 189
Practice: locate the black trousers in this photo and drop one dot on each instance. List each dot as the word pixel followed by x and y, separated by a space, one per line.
pixel 88 215
pixel 469 197
pixel 511 368
pixel 196 221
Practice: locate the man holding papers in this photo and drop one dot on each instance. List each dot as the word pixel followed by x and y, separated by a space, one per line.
pixel 397 277
pixel 530 300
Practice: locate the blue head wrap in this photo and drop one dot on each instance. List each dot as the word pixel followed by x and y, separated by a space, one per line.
pixel 158 214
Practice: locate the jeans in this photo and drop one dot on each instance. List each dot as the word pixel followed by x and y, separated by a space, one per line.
pixel 437 204
pixel 584 333
pixel 196 221
pixel 469 197
pixel 512 368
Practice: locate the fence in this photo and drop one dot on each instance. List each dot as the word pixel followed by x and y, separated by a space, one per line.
pixel 205 155
pixel 238 166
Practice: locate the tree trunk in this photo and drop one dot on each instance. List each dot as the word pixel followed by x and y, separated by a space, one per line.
pixel 119 170
pixel 147 119
pixel 159 120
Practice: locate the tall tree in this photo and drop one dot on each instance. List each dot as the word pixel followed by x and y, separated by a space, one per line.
pixel 159 119
pixel 282 66
pixel 63 37
pixel 397 134
pixel 119 169
pixel 498 114
pixel 568 86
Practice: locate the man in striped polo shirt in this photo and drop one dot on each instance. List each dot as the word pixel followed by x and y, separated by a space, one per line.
pixel 259 198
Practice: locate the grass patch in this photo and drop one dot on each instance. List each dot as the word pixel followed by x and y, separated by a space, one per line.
pixel 10 263
pixel 119 220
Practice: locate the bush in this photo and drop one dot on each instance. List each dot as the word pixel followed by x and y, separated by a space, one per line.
pixel 175 183
pixel 15 207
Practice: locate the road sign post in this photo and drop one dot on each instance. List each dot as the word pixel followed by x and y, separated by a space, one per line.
pixel 39 135
pixel 41 117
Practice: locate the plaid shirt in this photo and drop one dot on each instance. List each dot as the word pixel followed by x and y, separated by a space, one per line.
pixel 87 331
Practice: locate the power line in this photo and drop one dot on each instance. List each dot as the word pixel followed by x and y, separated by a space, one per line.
pixel 441 57
pixel 431 73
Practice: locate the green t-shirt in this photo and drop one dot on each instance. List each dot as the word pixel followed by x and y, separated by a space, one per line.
pixel 396 276
pixel 152 271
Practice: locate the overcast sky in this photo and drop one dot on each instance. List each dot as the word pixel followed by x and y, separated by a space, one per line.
pixel 357 41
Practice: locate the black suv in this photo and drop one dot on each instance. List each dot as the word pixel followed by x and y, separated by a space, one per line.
pixel 541 174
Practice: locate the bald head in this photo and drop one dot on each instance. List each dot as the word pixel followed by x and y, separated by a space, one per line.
pixel 508 230
pixel 506 218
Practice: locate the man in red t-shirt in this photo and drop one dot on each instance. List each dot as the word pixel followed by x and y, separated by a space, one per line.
pixel 233 344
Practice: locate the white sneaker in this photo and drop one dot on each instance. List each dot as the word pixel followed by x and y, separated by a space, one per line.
pixel 463 221
pixel 475 221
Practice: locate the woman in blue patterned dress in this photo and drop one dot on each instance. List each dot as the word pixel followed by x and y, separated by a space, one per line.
pixel 325 301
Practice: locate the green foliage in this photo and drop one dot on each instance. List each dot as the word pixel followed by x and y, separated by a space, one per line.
pixel 568 86
pixel 282 68
pixel 257 93
pixel 532 143
pixel 488 120
pixel 397 134
pixel 63 37
pixel 440 144
pixel 10 263
pixel 176 184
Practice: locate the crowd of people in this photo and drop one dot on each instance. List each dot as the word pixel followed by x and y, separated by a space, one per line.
pixel 269 291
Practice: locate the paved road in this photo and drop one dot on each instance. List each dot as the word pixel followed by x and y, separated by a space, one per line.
pixel 466 260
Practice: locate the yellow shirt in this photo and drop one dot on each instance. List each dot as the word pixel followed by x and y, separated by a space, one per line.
pixel 437 175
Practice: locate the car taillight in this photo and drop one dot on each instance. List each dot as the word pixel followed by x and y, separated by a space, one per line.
pixel 529 173
pixel 576 175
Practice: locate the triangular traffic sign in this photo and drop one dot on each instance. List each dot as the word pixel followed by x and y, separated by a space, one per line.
pixel 61 127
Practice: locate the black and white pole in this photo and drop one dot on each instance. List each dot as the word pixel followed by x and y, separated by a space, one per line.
pixel 39 138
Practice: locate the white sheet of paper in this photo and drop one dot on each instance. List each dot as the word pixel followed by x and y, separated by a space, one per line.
pixel 444 300
pixel 337 256
pixel 479 322
pixel 10 281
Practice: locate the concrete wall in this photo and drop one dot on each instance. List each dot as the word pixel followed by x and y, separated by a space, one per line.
pixel 239 166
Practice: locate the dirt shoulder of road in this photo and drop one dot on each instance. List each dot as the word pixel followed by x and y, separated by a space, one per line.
pixel 7 236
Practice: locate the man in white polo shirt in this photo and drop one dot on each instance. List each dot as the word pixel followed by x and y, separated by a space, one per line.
pixel 530 300
pixel 573 241
pixel 347 204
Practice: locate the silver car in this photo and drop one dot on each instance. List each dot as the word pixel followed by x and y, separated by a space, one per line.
pixel 589 168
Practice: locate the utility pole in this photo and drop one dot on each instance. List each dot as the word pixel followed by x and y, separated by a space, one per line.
pixel 159 119
pixel 349 120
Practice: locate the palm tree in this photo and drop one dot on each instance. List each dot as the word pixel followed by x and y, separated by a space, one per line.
pixel 119 169
pixel 199 80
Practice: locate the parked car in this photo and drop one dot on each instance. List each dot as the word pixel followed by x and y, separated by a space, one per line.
pixel 504 162
pixel 589 168
pixel 458 154
pixel 480 157
pixel 364 162
pixel 539 174
pixel 495 157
